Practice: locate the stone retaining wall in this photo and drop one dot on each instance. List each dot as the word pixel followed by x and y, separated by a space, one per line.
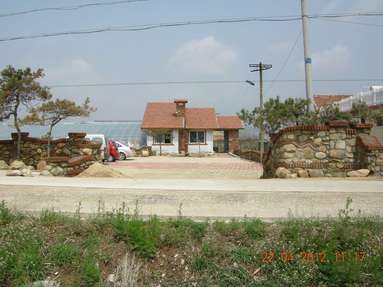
pixel 69 156
pixel 328 150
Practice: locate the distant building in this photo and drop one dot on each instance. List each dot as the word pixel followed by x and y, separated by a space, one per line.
pixel 322 101
pixel 173 128
pixel 373 98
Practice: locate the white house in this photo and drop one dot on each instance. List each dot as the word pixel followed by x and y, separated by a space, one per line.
pixel 172 128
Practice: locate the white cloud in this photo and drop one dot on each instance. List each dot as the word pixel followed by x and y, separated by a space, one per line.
pixel 74 71
pixel 204 56
pixel 337 58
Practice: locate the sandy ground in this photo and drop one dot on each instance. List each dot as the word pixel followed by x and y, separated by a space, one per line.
pixel 218 187
pixel 216 167
pixel 266 199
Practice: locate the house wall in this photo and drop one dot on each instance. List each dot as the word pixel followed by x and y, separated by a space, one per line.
pixel 166 148
pixel 203 148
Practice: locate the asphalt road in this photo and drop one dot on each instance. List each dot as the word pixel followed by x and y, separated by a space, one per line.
pixel 199 198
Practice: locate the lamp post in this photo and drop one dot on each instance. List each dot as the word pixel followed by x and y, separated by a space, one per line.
pixel 260 68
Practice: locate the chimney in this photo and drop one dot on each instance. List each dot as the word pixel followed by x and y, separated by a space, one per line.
pixel 180 107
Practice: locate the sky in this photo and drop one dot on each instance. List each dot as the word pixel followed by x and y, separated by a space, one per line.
pixel 201 52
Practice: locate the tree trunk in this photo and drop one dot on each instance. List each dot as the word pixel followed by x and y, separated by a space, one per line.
pixel 49 135
pixel 18 145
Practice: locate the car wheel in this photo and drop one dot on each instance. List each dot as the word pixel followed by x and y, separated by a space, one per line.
pixel 122 156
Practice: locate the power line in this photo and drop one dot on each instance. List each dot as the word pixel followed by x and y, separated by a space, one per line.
pixel 152 83
pixel 350 22
pixel 144 27
pixel 285 62
pixel 69 8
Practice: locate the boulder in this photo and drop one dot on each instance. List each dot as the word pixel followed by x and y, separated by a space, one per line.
pixel 17 164
pixel 317 141
pixel 316 173
pixel 282 172
pixel 303 173
pixel 339 154
pixel 286 155
pixel 57 171
pixel 26 172
pixel 86 151
pixel 41 165
pixel 3 165
pixel 13 172
pixel 340 144
pixel 45 173
pixel 308 153
pixel 358 173
pixel 320 155
pixel 289 148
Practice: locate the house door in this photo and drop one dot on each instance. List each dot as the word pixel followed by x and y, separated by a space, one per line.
pixel 226 141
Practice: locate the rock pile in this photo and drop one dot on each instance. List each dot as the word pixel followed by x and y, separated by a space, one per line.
pixel 19 168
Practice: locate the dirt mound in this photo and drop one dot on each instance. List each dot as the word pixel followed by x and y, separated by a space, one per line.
pixel 100 170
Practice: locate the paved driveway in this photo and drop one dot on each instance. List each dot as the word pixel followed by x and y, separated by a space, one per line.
pixel 212 167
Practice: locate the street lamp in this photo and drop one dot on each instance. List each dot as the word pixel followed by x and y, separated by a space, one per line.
pixel 260 68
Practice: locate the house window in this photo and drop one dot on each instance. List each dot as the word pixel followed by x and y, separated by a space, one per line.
pixel 197 137
pixel 165 138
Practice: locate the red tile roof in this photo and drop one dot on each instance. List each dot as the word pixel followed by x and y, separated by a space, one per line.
pixel 325 100
pixel 229 122
pixel 201 118
pixel 163 116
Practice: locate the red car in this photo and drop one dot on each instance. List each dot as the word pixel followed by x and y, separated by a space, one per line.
pixel 113 151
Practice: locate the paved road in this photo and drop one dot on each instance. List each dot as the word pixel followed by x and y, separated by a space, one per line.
pixel 267 199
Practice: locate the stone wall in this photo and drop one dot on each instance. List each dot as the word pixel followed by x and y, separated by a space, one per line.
pixel 370 153
pixel 69 156
pixel 328 150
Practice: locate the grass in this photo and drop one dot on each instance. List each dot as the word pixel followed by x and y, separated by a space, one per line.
pixel 343 251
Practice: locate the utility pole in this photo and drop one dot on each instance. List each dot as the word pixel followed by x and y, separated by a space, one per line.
pixel 306 44
pixel 260 68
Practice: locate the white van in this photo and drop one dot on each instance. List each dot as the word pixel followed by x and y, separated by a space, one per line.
pixel 100 138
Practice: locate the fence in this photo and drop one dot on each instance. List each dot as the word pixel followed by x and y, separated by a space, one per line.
pixel 371 98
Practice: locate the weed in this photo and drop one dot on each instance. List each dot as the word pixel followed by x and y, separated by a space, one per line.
pixel 227 228
pixel 255 229
pixel 6 216
pixel 242 254
pixel 64 254
pixel 90 271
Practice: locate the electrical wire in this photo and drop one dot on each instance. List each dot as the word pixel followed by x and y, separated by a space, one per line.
pixel 151 83
pixel 188 23
pixel 69 8
pixel 349 22
pixel 293 47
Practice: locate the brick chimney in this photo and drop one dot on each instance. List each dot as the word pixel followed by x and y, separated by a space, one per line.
pixel 180 107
